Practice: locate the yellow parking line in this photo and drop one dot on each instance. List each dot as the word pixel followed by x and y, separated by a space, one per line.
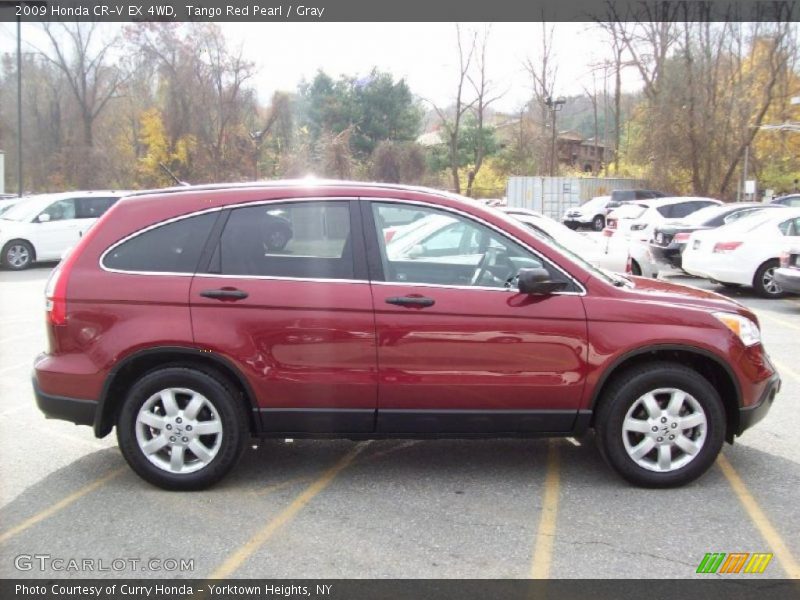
pixel 235 560
pixel 782 368
pixel 60 505
pixel 546 533
pixel 760 520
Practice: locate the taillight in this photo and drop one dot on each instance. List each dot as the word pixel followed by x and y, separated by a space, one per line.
pixel 725 247
pixel 608 232
pixel 681 237
pixel 56 289
pixel 611 223
pixel 785 259
pixel 388 235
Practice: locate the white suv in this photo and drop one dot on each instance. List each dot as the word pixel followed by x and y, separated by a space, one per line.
pixel 43 227
pixel 591 213
pixel 637 220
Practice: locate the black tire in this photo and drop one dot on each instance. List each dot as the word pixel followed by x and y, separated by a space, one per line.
pixel 598 223
pixel 230 410
pixel 621 396
pixel 760 284
pixel 14 246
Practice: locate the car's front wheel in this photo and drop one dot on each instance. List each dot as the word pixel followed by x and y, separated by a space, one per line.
pixel 660 425
pixel 598 223
pixel 18 255
pixel 181 428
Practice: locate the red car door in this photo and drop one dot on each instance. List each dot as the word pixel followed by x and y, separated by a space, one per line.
pixel 460 350
pixel 286 299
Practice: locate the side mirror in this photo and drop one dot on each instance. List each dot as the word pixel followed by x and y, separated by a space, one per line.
pixel 43 218
pixel 537 281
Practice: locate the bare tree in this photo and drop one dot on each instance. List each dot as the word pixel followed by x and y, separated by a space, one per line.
pixel 483 99
pixel 452 123
pixel 543 72
pixel 85 63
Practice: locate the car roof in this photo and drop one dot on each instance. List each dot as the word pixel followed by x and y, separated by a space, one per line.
pixel 658 202
pixel 307 182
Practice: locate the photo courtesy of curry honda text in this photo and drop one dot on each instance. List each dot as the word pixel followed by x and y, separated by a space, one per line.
pixel 193 319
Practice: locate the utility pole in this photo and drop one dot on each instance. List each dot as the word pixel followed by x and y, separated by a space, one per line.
pixel 554 105
pixel 20 186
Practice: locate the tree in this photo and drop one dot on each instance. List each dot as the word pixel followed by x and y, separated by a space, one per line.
pixel 92 80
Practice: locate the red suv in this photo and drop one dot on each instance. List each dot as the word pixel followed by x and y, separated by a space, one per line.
pixel 195 318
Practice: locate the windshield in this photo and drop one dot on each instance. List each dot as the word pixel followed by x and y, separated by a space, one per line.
pixel 607 276
pixel 596 202
pixel 22 211
pixel 750 222
pixel 700 217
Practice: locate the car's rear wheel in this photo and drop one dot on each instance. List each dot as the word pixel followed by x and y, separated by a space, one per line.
pixel 764 282
pixel 598 223
pixel 18 255
pixel 660 425
pixel 181 429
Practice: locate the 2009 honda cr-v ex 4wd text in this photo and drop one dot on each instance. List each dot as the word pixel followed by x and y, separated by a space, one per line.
pixel 181 321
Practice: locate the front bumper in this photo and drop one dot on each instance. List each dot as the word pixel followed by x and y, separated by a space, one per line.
pixel 750 415
pixel 788 279
pixel 78 411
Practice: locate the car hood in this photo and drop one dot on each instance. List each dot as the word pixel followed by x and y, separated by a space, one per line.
pixel 11 226
pixel 658 290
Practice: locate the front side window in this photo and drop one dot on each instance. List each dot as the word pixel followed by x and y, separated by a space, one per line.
pixel 444 248
pixel 790 227
pixel 171 248
pixel 292 239
pixel 61 210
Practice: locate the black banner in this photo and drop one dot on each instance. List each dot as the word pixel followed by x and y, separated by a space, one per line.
pixel 735 588
pixel 408 10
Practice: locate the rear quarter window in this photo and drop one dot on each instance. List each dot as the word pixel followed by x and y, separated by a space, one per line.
pixel 169 248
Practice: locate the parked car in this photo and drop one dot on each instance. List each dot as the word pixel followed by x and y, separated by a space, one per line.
pixel 620 197
pixel 169 322
pixel 744 253
pixel 637 220
pixel 792 200
pixel 787 275
pixel 42 227
pixel 591 213
pixel 587 248
pixel 670 239
pixel 4 206
pixel 516 210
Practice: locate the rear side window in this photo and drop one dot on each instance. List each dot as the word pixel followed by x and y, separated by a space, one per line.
pixel 92 208
pixel 293 239
pixel 171 248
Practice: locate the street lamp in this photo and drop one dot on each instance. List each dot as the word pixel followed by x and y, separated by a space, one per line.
pixel 554 105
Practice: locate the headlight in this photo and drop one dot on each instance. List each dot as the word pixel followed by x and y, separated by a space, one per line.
pixel 742 326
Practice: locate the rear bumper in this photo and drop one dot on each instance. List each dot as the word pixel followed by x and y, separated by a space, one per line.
pixel 788 279
pixel 750 415
pixel 75 410
pixel 667 254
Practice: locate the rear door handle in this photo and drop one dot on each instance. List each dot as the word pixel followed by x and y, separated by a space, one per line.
pixel 224 294
pixel 411 301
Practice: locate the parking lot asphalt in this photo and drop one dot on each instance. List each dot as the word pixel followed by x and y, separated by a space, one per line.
pixel 400 508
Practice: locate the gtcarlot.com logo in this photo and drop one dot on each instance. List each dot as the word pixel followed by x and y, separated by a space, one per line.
pixel 734 563
pixel 47 562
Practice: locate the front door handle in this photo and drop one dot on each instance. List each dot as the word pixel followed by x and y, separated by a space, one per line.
pixel 419 301
pixel 224 294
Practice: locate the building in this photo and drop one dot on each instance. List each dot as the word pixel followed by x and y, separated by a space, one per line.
pixel 585 154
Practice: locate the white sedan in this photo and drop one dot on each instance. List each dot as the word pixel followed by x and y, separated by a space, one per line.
pixel 615 259
pixel 744 253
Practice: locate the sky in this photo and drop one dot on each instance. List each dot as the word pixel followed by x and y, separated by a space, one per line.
pixel 424 54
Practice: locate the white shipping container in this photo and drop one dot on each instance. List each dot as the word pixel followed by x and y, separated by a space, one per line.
pixel 554 195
